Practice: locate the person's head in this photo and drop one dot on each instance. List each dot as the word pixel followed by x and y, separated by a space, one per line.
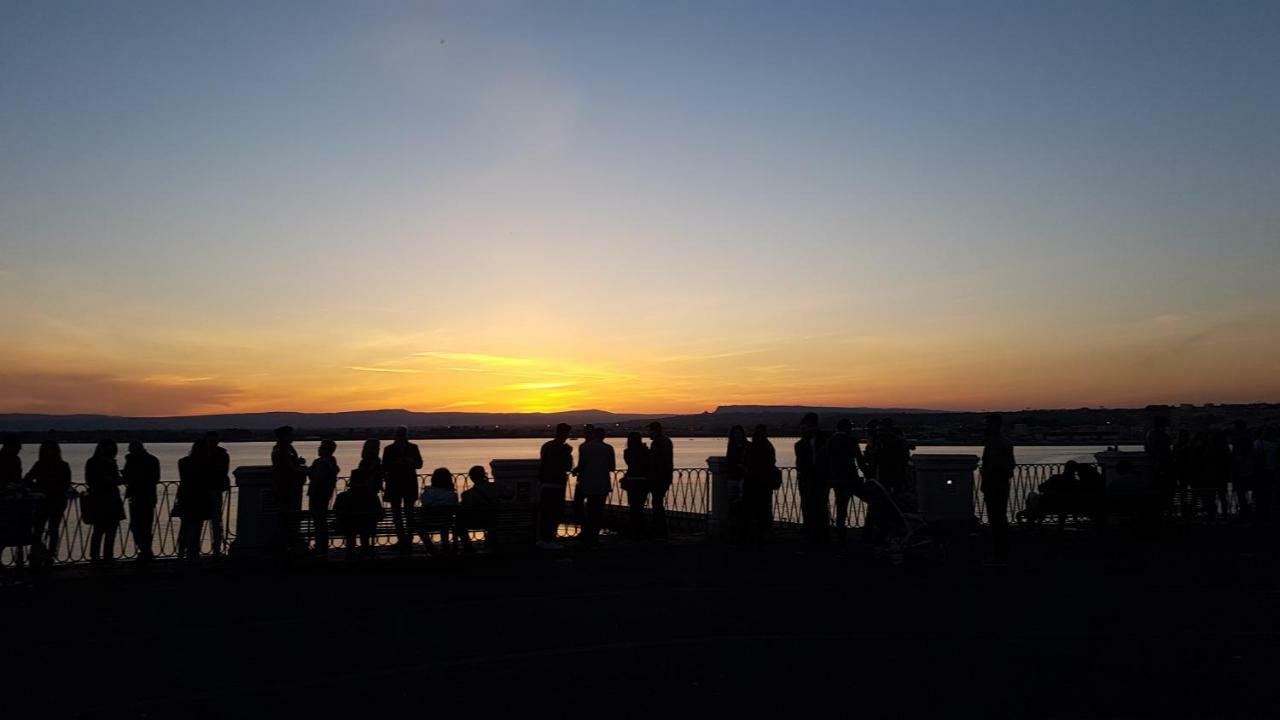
pixel 11 445
pixel 588 431
pixel 402 433
pixel 327 447
pixel 197 448
pixel 809 424
pixel 994 423
pixel 1071 468
pixel 106 449
pixel 136 447
pixel 442 478
pixel 844 425
pixel 478 475
pixel 562 431
pixel 50 451
pixel 635 440
pixel 655 429
pixel 284 434
pixel 760 433
pixel 371 449
pixel 737 434
pixel 211 439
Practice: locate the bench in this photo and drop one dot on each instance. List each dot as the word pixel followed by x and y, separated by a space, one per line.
pixel 507 524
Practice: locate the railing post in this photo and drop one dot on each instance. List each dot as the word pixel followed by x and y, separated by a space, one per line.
pixel 944 487
pixel 257 512
pixel 720 521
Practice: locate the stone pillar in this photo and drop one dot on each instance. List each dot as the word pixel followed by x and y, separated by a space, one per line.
pixel 1129 479
pixel 518 479
pixel 720 523
pixel 257 512
pixel 944 487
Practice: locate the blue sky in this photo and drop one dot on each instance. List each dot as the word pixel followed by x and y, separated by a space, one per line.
pixel 230 205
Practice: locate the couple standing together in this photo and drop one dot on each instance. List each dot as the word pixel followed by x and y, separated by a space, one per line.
pixel 649 472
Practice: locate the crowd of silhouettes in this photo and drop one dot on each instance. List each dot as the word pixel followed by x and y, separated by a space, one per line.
pixel 1200 470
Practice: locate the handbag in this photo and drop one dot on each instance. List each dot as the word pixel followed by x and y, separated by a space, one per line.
pixel 775 477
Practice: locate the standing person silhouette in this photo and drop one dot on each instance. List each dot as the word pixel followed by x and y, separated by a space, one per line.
pixel 1159 449
pixel 401 461
pixel 998 465
pixel 810 452
pixel 555 461
pixel 596 463
pixel 579 501
pixel 219 485
pixel 636 481
pixel 10 462
pixel 51 477
pixel 761 480
pixel 662 467
pixel 844 459
pixel 288 475
pixel 194 503
pixel 735 472
pixel 476 507
pixel 104 507
pixel 358 509
pixel 141 476
pixel 323 476
pixel 1242 464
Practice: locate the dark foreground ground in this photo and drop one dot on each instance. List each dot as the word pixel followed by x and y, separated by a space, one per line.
pixel 1183 624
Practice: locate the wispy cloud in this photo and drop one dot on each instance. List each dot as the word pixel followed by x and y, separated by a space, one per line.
pixel 476 358
pixel 408 371
pixel 536 386
pixel 712 356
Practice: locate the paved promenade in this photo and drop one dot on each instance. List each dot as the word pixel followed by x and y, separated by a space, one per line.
pixel 1184 624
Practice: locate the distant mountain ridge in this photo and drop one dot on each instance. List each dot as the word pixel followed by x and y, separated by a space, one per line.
pixel 28 422
pixel 357 419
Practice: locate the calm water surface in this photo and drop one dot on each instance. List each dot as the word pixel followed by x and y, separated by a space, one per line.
pixel 459 455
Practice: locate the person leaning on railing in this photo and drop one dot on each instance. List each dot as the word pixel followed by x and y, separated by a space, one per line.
pixel 193 505
pixel 141 476
pixel 51 477
pixel 555 461
pixel 102 506
pixel 323 476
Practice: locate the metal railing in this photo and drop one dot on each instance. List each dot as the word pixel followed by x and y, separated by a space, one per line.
pixel 689 495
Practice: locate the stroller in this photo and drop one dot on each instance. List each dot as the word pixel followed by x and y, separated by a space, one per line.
pixel 899 533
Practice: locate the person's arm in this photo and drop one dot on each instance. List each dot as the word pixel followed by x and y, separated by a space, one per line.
pixel 417 458
pixel 613 459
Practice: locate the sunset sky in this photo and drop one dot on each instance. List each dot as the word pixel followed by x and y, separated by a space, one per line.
pixel 644 206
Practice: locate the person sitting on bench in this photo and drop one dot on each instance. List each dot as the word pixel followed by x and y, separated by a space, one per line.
pixel 439 493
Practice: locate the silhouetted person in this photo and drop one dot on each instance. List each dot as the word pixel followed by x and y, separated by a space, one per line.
pixel 579 501
pixel 323 480
pixel 872 451
pixel 811 480
pixel 761 480
pixel 104 507
pixel 401 461
pixel 288 475
pixel 439 493
pixel 358 509
pixel 998 465
pixel 1092 489
pixel 1215 471
pixel 844 459
pixel 596 463
pixel 1159 449
pixel 555 462
pixel 636 481
pixel 194 501
pixel 220 483
pixel 1266 473
pixel 1182 460
pixel 735 472
pixel 1242 464
pixel 478 505
pixel 662 468
pixel 141 476
pixel 51 477
pixel 11 463
pixel 892 456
